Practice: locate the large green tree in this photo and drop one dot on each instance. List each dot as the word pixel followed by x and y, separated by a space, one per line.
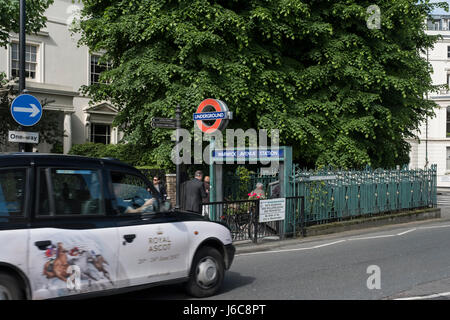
pixel 9 17
pixel 340 93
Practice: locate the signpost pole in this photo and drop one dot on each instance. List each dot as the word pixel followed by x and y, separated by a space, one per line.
pixel 22 43
pixel 178 172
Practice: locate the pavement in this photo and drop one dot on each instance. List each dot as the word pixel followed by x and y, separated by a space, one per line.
pixel 248 246
pixel 443 199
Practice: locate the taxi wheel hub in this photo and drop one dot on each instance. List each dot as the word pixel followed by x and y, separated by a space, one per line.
pixel 206 272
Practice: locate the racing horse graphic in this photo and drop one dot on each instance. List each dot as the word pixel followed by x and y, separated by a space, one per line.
pixel 57 268
pixel 99 263
pixel 85 259
pixel 70 271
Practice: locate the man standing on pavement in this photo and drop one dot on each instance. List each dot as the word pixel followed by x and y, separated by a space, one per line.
pixel 195 193
pixel 162 194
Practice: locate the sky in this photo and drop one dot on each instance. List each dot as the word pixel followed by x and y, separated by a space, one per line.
pixel 440 10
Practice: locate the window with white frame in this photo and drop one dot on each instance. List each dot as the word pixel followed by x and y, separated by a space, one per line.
pixel 100 133
pixel 31 61
pixel 436 25
pixel 448 122
pixel 448 158
pixel 97 68
pixel 433 24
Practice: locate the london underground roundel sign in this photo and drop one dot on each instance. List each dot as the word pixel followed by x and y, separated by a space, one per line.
pixel 212 115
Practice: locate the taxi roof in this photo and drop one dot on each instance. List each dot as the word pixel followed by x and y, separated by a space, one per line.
pixel 9 159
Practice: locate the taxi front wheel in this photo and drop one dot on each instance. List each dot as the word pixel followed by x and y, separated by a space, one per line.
pixel 207 273
pixel 9 288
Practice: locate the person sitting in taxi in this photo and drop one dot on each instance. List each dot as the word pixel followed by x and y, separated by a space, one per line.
pixel 125 207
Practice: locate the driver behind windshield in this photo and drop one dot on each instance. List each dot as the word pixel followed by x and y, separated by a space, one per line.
pixel 127 206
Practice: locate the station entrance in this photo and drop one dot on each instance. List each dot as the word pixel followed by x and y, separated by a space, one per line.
pixel 249 191
pixel 254 205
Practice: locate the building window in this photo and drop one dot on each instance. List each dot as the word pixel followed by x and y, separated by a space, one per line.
pixel 448 158
pixel 100 133
pixel 448 122
pixel 31 61
pixel 97 68
pixel 436 25
pixel 433 25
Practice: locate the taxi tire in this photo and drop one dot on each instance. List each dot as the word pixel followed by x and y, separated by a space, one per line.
pixel 11 286
pixel 192 286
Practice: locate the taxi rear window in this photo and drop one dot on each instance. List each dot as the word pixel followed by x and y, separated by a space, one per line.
pixel 70 192
pixel 12 193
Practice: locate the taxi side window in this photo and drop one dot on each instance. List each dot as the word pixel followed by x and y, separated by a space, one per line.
pixel 12 193
pixel 72 192
pixel 43 198
pixel 132 194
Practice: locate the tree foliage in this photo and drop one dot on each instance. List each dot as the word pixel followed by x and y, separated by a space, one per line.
pixel 9 17
pixel 340 93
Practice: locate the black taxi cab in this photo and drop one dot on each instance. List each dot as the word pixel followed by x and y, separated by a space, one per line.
pixel 76 226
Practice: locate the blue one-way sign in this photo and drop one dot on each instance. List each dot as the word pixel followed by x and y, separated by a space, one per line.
pixel 26 110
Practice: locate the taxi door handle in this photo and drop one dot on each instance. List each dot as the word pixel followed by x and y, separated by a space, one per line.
pixel 42 245
pixel 129 238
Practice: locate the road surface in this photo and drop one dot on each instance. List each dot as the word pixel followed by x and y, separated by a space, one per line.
pixel 393 262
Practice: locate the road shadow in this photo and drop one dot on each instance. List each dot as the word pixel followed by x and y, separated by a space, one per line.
pixel 235 280
pixel 232 281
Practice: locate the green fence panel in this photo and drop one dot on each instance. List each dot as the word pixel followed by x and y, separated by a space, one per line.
pixel 332 195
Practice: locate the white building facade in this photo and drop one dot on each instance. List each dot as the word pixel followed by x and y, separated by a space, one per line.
pixel 56 68
pixel 433 147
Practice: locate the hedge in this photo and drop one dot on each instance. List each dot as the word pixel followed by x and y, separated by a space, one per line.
pixel 128 153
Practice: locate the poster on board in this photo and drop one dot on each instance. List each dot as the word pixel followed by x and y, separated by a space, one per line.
pixel 272 210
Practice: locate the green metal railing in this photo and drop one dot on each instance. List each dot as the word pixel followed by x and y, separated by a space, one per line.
pixel 334 195
pixel 329 195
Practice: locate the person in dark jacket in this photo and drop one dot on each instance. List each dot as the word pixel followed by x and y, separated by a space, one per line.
pixel 162 193
pixel 194 193
pixel 207 184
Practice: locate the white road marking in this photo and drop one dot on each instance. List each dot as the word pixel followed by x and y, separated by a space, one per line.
pixel 434 227
pixel 290 250
pixel 340 241
pixel 405 232
pixel 328 244
pixel 431 296
pixel 271 251
pixel 373 237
